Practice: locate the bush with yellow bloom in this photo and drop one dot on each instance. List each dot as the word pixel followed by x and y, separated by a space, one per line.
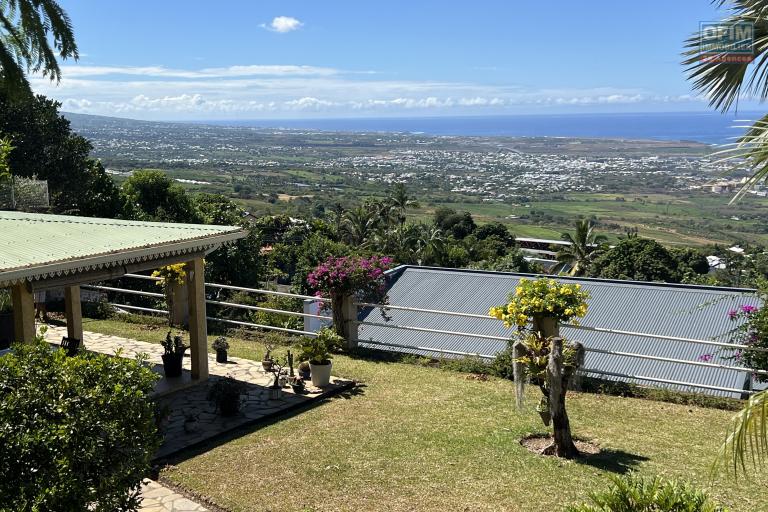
pixel 542 297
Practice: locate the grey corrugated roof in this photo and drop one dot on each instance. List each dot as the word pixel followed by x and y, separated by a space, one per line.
pixel 698 312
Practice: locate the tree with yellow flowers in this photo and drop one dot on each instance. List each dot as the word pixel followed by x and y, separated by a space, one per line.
pixel 536 308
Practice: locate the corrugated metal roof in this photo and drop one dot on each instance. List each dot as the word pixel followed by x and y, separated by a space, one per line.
pixel 698 312
pixel 32 242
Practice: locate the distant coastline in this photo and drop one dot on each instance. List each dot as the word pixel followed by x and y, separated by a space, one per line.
pixel 707 127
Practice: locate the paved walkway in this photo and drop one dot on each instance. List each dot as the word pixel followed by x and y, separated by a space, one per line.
pixel 158 498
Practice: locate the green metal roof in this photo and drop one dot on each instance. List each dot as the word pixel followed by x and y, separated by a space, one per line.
pixel 35 246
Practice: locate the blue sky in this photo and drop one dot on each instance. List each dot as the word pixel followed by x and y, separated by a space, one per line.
pixel 238 59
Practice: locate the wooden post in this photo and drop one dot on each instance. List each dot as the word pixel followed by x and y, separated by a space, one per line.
pixel 198 328
pixel 73 312
pixel 23 312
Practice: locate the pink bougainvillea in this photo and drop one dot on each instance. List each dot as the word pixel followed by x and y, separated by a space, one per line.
pixel 351 275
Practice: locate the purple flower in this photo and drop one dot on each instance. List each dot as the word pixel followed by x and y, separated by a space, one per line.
pixel 706 357
pixel 748 309
pixel 732 314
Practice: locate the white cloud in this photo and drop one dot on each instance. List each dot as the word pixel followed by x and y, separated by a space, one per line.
pixel 283 24
pixel 253 90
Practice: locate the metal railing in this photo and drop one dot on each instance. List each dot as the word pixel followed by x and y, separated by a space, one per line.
pixel 437 350
pixel 450 352
pixel 240 323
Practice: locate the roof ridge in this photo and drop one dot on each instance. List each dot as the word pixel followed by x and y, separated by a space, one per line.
pixel 93 221
pixel 626 282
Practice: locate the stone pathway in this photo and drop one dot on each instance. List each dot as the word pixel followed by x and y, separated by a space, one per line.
pixel 158 498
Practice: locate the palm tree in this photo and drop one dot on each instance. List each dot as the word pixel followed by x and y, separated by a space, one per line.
pixel 581 250
pixel 400 201
pixel 359 224
pixel 32 33
pixel 430 244
pixel 724 81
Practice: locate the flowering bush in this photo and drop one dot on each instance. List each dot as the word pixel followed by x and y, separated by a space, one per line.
pixel 171 274
pixel 357 276
pixel 753 331
pixel 350 276
pixel 542 297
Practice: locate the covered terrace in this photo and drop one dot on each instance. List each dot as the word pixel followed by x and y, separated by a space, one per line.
pixel 40 252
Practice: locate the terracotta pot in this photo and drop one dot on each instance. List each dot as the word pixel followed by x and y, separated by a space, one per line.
pixel 321 374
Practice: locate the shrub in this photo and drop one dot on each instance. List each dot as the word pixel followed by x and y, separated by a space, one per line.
pixel 76 433
pixel 632 493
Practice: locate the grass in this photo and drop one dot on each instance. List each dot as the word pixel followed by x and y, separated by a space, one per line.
pixel 421 438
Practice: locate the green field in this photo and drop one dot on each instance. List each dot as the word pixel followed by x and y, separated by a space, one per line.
pixel 695 219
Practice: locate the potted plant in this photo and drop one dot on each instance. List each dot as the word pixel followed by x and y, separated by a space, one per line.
pixel 304 370
pixel 221 345
pixel 278 373
pixel 317 351
pixel 173 357
pixel 297 385
pixel 225 394
pixel 6 319
pixel 268 361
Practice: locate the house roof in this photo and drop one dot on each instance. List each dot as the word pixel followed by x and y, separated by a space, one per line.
pixel 685 311
pixel 39 246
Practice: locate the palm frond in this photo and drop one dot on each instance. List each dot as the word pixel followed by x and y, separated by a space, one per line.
pixel 747 437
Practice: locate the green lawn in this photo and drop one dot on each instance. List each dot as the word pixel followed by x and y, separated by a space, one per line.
pixel 421 438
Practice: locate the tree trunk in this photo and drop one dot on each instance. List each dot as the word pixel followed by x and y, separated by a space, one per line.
pixel 546 326
pixel 337 309
pixel 563 445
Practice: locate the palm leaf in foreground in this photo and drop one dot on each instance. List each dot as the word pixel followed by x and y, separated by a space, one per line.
pixel 747 438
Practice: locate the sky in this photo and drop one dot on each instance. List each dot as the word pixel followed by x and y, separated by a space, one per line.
pixel 265 59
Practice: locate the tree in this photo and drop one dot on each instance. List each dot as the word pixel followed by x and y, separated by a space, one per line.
pixel 32 33
pixel 637 259
pixel 400 201
pixel 722 80
pixel 239 263
pixel 45 147
pixel 497 230
pixel 359 224
pixel 583 245
pixel 458 224
pixel 690 261
pixel 152 195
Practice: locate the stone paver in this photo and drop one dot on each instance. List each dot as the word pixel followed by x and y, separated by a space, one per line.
pixel 158 498
pixel 189 417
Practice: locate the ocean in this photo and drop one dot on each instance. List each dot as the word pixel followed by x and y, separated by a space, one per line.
pixel 709 128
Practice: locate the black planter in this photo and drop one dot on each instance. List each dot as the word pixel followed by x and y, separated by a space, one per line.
pixel 221 356
pixel 229 405
pixel 6 330
pixel 172 365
